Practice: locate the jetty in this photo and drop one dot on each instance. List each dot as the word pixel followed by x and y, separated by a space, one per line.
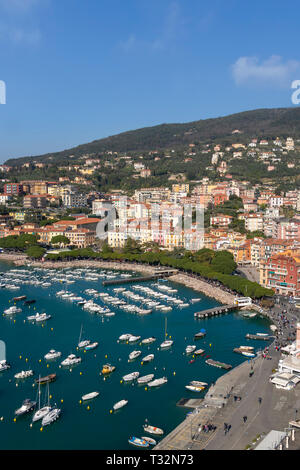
pixel 262 337
pixel 220 365
pixel 212 312
pixel 158 275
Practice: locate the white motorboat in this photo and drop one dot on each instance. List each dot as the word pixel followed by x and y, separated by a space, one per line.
pixel 12 311
pixel 52 354
pixel 132 376
pixel 134 354
pixel 125 337
pixel 247 354
pixel 89 396
pixel 148 358
pixel 145 379
pixel 91 346
pixel 42 317
pixel 194 388
pixel 52 416
pixel 158 382
pixel 27 406
pixel 71 360
pixel 189 349
pixel 197 383
pixel 133 339
pixel 39 317
pixel 24 374
pixel 120 404
pixel 193 301
pixel 166 344
pixel 153 430
pixel 148 340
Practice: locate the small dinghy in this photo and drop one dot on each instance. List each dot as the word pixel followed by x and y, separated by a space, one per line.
pixel 136 441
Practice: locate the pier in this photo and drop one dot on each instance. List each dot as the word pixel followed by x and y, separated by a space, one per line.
pixel 259 337
pixel 158 275
pixel 212 312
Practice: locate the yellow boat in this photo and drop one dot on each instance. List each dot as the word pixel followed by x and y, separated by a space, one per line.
pixel 107 369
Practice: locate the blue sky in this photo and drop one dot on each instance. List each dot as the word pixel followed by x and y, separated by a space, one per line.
pixel 79 70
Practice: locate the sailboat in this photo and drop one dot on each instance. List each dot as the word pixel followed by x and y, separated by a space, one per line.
pixel 84 343
pixel 166 343
pixel 41 412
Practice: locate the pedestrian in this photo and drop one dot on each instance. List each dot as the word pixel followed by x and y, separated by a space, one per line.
pixel 245 418
pixel 259 400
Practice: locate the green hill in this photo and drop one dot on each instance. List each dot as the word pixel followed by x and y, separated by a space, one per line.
pixel 267 123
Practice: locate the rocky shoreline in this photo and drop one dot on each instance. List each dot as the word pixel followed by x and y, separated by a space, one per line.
pixel 202 286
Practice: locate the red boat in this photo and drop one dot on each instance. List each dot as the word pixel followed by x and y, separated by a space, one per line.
pixel 191 361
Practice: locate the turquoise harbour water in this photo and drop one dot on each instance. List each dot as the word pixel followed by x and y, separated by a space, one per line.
pixel 97 428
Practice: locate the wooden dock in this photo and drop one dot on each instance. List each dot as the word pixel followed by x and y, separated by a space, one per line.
pixel 212 312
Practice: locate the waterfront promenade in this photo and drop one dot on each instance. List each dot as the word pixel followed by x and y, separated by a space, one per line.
pixel 274 412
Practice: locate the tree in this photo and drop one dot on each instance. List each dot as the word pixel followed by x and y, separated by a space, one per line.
pixel 60 240
pixel 35 252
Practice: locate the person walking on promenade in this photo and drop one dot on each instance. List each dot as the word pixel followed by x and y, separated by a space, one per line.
pixel 259 400
pixel 245 419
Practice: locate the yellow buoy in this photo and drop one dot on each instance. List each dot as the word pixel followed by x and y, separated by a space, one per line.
pixel 47 365
pixel 30 425
pixel 41 429
pixel 15 419
pixel 88 408
pixel 146 388
pixel 20 357
pixel 80 373
pixel 80 402
pixel 40 360
pixel 142 363
pixel 105 356
pixel 61 400
pixel 174 373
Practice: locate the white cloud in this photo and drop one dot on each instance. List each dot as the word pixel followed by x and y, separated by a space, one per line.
pixel 272 71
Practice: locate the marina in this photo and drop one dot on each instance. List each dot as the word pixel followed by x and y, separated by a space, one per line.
pixel 103 368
